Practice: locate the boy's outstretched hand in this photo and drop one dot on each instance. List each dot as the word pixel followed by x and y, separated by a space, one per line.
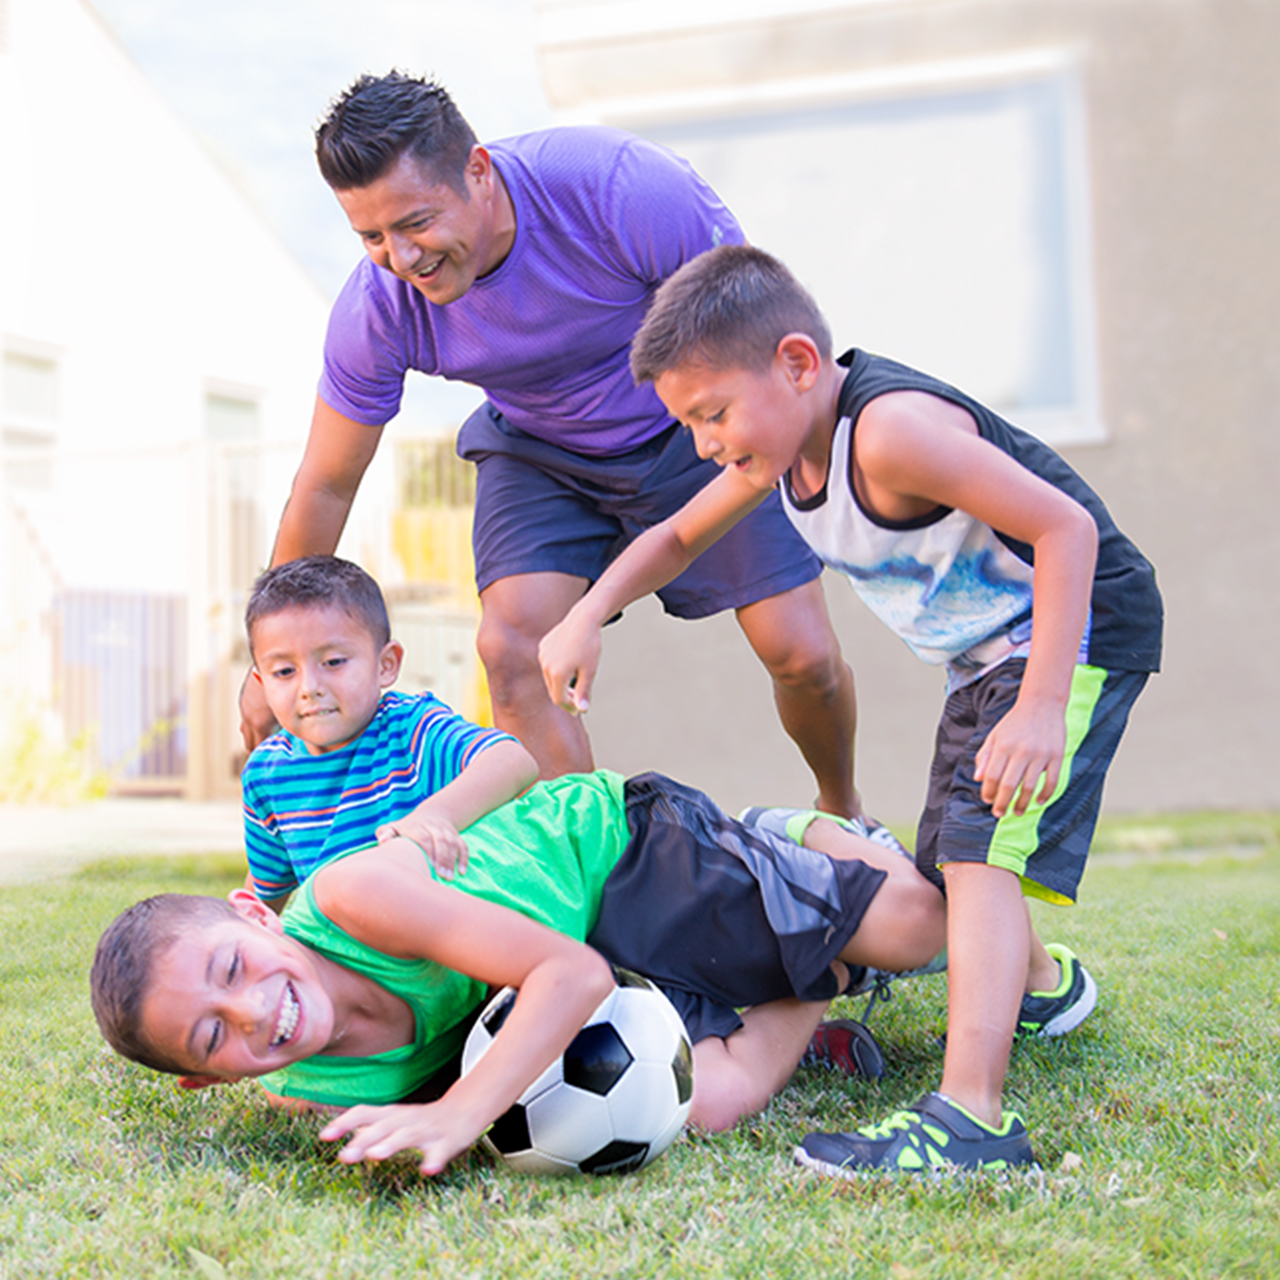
pixel 437 837
pixel 1027 744
pixel 569 655
pixel 439 1131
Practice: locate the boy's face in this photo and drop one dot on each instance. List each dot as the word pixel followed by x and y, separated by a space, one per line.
pixel 322 673
pixel 237 998
pixel 753 421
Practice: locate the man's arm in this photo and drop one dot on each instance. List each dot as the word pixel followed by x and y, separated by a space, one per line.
pixel 386 898
pixel 498 774
pixel 338 452
pixel 914 448
pixel 570 652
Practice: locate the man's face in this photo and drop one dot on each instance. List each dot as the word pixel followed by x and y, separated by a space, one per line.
pixel 322 672
pixel 432 235
pixel 236 998
pixel 746 420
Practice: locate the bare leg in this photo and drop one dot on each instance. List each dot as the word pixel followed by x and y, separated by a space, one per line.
pixel 518 612
pixel 988 950
pixel 812 687
pixel 905 926
pixel 737 1076
pixel 1043 971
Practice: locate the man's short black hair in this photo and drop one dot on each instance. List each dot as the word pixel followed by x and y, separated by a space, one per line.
pixel 378 119
pixel 727 308
pixel 318 582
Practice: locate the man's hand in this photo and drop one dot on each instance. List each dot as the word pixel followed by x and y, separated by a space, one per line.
pixel 569 655
pixel 437 837
pixel 436 1129
pixel 257 723
pixel 1028 743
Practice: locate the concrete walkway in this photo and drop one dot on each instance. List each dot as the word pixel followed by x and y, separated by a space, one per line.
pixel 39 841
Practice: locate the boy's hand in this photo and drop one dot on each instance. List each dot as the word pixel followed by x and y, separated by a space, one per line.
pixel 569 655
pixel 1030 741
pixel 439 1131
pixel 437 837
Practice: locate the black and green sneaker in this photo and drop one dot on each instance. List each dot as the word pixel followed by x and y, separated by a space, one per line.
pixel 934 1134
pixel 1054 1013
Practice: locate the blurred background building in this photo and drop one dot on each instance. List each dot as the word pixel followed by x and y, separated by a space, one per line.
pixel 1063 206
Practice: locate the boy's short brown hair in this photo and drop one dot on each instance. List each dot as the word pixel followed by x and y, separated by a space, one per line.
pixel 319 582
pixel 125 959
pixel 727 308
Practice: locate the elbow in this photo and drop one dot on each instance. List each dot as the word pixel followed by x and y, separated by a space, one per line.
pixel 597 976
pixel 526 769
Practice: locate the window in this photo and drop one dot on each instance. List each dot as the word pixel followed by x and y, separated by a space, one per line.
pixel 30 403
pixel 940 221
pixel 232 427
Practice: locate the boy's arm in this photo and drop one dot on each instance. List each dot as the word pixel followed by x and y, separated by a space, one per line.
pixel 387 898
pixel 913 448
pixel 570 652
pixel 498 774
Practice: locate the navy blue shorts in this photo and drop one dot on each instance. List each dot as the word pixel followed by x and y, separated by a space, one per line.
pixel 1047 846
pixel 540 509
pixel 720 915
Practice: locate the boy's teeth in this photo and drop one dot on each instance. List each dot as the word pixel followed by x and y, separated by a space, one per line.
pixel 288 1018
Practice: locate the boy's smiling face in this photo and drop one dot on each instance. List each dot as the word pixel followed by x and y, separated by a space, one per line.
pixel 323 673
pixel 236 998
pixel 752 421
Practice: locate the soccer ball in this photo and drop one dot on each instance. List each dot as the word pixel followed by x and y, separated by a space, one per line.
pixel 616 1098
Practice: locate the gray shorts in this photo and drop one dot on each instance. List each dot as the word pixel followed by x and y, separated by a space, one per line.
pixel 543 509
pixel 720 915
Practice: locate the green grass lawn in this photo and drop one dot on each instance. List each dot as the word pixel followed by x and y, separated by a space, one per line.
pixel 1157 1124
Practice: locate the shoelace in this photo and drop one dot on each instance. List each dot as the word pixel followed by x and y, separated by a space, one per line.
pixel 881 993
pixel 887 1128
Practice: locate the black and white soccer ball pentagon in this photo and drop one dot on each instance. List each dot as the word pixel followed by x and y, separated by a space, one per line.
pixel 616 1098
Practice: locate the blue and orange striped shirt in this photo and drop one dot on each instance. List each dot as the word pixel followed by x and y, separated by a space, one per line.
pixel 302 810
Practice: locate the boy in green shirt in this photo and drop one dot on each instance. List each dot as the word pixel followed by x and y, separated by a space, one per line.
pixel 364 989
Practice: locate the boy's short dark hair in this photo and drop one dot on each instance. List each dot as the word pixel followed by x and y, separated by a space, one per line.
pixel 123 963
pixel 377 119
pixel 319 581
pixel 727 308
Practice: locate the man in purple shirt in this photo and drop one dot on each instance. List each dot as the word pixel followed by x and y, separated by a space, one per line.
pixel 526 268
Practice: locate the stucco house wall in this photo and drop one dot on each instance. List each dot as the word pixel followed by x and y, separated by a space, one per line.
pixel 1181 125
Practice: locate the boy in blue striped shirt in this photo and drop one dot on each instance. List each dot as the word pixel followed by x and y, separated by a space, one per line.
pixel 354 764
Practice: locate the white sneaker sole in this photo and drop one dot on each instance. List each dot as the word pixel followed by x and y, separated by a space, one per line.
pixel 1070 1019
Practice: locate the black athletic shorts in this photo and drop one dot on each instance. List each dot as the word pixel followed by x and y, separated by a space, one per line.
pixel 543 509
pixel 722 916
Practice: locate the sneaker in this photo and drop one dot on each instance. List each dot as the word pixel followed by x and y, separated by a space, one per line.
pixel 791 824
pixel 879 834
pixel 840 1044
pixel 933 1134
pixel 1054 1013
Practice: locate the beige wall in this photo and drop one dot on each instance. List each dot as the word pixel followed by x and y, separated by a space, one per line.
pixel 1183 123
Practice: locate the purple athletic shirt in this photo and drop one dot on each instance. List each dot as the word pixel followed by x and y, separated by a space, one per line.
pixel 602 218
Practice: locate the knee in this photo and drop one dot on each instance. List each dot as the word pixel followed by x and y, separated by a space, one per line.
pixel 812 663
pixel 919 915
pixel 510 656
pixel 719 1109
pixel 724 1092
